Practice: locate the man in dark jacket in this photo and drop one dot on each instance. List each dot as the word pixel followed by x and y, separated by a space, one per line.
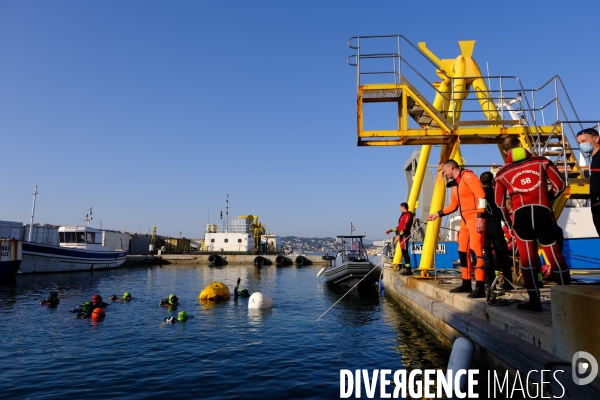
pixel 494 243
pixel 589 143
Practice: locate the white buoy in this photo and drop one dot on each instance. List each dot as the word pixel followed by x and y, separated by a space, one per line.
pixel 461 358
pixel 259 301
pixel 321 271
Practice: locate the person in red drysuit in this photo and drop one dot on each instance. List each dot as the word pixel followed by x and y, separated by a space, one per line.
pixel 402 231
pixel 525 178
pixel 468 194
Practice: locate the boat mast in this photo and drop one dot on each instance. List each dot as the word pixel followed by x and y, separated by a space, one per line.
pixel 32 213
pixel 88 217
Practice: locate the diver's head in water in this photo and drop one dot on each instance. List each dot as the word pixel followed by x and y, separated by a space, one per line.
pixel 113 297
pixel 96 299
pixel 53 296
pixel 126 296
pixel 173 300
pixel 182 316
pixel 87 307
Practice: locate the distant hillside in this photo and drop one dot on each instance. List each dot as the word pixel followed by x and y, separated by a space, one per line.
pixel 303 244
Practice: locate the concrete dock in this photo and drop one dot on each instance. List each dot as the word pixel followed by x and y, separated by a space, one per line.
pixel 505 337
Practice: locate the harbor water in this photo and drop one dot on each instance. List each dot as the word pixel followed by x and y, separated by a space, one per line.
pixel 225 351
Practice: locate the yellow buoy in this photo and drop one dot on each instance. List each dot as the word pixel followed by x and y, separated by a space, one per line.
pixel 215 291
pixel 397 255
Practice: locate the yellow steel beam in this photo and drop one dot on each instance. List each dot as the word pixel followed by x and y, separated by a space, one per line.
pixel 415 190
pixel 461 132
pixel 432 231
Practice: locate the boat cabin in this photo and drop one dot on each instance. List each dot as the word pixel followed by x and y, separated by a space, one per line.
pixel 233 237
pixel 81 237
pixel 352 248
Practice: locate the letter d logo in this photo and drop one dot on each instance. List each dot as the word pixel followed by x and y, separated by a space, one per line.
pixel 583 363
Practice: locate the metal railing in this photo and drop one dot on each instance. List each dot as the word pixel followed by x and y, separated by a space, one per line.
pixel 509 96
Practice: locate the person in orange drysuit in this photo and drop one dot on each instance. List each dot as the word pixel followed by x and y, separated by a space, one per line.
pixel 468 194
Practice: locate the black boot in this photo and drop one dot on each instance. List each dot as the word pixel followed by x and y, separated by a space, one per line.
pixel 464 288
pixel 479 291
pixel 407 271
pixel 533 304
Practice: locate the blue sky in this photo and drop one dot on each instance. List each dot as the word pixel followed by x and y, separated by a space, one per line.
pixel 151 110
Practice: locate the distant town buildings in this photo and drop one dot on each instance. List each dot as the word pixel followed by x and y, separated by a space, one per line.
pixel 301 244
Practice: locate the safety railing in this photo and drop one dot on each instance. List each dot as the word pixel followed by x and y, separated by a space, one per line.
pixel 547 105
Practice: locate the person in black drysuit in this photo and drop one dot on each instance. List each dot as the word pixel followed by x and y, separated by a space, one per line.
pixel 51 301
pixel 494 243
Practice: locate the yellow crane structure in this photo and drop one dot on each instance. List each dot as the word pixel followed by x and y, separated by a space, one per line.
pixel 256 229
pixel 465 110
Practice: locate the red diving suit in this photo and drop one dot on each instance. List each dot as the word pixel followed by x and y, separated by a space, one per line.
pixel 405 223
pixel 525 178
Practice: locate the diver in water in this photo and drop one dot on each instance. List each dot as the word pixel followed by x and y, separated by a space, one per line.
pixel 51 301
pixel 97 301
pixel 239 292
pixel 171 301
pixel 182 316
pixel 126 297
pixel 84 311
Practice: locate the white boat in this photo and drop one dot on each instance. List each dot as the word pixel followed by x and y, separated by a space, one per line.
pixel 68 248
pixel 355 265
pixel 80 249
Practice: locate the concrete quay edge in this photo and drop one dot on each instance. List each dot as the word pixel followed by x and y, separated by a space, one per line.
pixel 496 348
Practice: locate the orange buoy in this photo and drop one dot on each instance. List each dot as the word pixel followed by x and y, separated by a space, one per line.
pixel 98 313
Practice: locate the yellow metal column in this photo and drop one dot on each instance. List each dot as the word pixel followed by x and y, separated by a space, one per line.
pixel 437 203
pixel 415 190
pixel 458 89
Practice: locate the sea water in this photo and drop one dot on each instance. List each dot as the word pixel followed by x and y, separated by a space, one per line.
pixel 225 351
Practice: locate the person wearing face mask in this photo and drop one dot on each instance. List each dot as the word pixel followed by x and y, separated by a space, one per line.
pixel 524 178
pixel 469 196
pixel 589 145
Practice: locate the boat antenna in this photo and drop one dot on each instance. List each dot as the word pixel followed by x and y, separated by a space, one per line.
pixel 88 216
pixel 32 213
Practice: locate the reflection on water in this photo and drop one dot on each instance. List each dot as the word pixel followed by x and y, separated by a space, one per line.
pixel 225 351
pixel 418 348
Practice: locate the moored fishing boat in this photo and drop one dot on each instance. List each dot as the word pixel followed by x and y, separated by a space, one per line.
pixel 49 248
pixel 80 249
